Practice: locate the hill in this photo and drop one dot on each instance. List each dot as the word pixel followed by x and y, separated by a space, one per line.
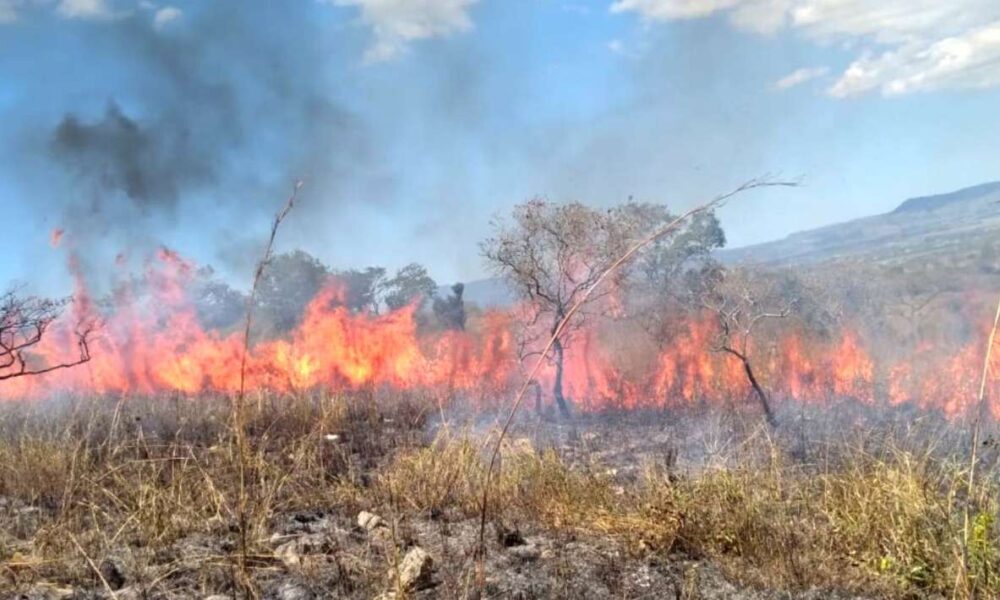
pixel 956 222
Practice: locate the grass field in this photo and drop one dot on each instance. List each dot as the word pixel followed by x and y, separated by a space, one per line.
pixel 143 498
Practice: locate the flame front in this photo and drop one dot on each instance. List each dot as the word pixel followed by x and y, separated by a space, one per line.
pixel 157 345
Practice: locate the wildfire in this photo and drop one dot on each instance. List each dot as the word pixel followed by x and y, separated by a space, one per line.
pixel 158 345
pixel 155 344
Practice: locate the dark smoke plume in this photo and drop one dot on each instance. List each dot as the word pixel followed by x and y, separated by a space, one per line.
pixel 150 165
pixel 221 112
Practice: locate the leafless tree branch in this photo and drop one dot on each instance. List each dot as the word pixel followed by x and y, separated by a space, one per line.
pixel 24 322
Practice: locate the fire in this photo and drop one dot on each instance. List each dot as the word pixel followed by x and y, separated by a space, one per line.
pixel 153 343
pixel 795 366
pixel 55 238
pixel 157 345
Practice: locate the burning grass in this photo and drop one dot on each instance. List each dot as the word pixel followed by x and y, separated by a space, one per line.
pixel 150 486
pixel 151 342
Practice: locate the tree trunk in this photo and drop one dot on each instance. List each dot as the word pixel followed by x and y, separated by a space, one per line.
pixel 765 403
pixel 538 396
pixel 557 385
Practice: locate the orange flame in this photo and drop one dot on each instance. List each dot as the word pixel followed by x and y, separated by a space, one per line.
pixel 155 344
pixel 159 345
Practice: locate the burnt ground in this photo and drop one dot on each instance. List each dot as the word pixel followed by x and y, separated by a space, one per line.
pixel 325 552
pixel 322 554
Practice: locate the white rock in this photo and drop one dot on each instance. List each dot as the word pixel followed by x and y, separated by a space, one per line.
pixel 415 570
pixel 304 550
pixel 369 521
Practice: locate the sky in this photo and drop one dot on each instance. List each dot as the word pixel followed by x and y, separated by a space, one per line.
pixel 132 124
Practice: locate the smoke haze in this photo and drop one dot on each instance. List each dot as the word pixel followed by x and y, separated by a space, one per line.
pixel 187 125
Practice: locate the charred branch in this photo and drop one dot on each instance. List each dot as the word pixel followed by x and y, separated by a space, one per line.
pixel 24 322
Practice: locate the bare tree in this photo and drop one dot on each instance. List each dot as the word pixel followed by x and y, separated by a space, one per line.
pixel 616 265
pixel 551 255
pixel 743 304
pixel 24 321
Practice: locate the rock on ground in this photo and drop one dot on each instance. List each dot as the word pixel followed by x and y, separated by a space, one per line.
pixel 415 570
pixel 369 521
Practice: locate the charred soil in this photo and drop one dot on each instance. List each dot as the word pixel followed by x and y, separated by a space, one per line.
pixel 353 497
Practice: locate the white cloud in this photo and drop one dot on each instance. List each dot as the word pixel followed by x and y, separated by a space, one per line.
pixel 967 61
pixel 800 76
pixel 84 9
pixel 397 23
pixel 664 10
pixel 165 16
pixel 903 46
pixel 761 16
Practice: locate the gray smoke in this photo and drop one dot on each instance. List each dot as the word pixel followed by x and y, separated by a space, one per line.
pixel 221 115
pixel 151 165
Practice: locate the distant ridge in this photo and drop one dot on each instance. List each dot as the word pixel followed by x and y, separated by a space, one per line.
pixel 941 200
pixel 957 221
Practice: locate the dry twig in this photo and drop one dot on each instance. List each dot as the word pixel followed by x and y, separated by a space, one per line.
pixel 238 424
pixel 976 430
pixel 93 565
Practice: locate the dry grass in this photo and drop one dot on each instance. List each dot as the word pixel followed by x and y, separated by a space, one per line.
pixel 889 523
pixel 146 474
pixel 881 518
pixel 532 487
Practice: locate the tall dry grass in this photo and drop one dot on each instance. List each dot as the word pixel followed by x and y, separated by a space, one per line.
pixel 886 522
pixel 879 511
pixel 89 477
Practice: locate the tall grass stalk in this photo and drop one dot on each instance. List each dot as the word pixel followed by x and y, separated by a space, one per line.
pixel 976 432
pixel 238 417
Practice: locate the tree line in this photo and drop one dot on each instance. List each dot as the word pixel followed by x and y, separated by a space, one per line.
pixel 292 279
pixel 549 255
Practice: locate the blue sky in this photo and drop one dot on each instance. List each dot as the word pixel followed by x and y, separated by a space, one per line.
pixel 413 122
